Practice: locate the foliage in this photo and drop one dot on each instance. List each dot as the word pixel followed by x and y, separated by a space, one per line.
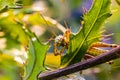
pixel 118 1
pixel 17 32
pixel 13 29
pixel 4 4
pixel 93 21
pixel 9 69
pixel 36 56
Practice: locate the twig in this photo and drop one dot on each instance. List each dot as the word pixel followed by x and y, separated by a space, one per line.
pixel 112 54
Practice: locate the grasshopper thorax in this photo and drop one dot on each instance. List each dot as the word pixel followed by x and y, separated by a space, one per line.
pixel 59 39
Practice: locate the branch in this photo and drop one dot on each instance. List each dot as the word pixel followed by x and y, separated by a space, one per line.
pixel 105 57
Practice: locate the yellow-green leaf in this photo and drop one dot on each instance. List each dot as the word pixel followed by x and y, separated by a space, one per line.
pixel 36 56
pixel 89 33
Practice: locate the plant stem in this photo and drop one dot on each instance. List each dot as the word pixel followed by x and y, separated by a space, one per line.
pixel 105 57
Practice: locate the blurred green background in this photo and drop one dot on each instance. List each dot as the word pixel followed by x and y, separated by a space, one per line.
pixel 70 11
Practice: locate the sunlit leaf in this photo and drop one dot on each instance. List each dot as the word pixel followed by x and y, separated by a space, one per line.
pixel 118 1
pixel 89 33
pixel 36 57
pixel 9 69
pixel 7 3
pixel 11 27
pixel 52 61
pixel 39 19
pixel 27 2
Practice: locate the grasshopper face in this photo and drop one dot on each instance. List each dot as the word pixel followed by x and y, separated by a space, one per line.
pixel 62 40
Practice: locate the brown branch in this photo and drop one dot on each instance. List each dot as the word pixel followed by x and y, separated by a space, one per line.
pixel 112 54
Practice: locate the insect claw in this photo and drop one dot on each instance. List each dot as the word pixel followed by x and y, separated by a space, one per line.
pixel 56 54
pixel 110 62
pixel 113 45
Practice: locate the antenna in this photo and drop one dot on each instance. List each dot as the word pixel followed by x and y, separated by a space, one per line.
pixel 66 25
pixel 48 25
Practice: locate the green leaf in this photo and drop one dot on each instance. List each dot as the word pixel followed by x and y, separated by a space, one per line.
pixel 27 2
pixel 11 27
pixel 9 69
pixel 118 1
pixel 36 56
pixel 38 19
pixel 89 33
pixel 7 3
pixel 10 42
